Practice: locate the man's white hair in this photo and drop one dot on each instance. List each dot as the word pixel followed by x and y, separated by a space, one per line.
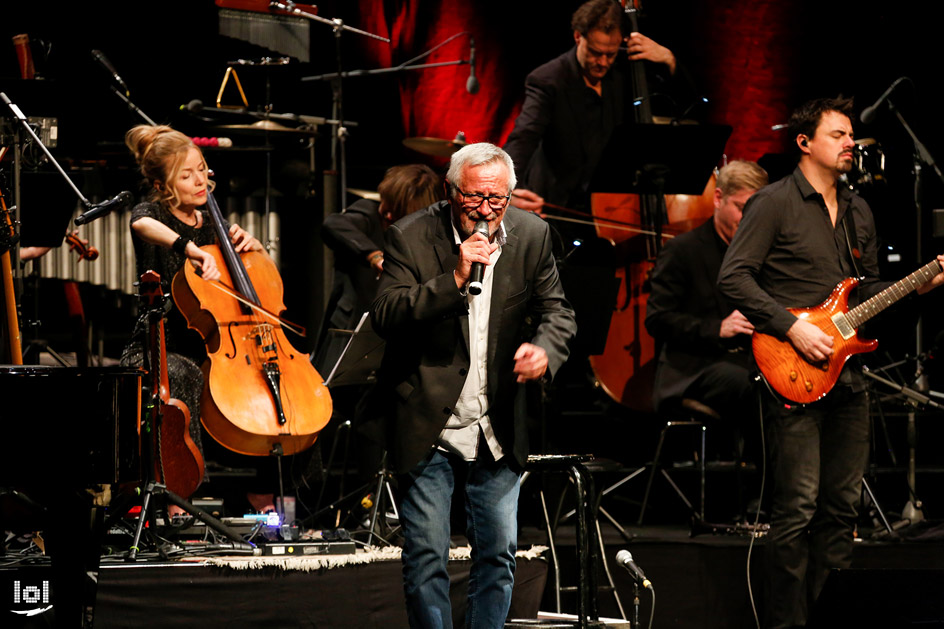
pixel 476 155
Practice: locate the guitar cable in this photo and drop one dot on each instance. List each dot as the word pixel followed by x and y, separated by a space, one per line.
pixel 760 497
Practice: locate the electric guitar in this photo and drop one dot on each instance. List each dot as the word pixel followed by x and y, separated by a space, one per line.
pixel 798 380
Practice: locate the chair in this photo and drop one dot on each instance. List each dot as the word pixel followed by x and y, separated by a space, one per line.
pixel 693 415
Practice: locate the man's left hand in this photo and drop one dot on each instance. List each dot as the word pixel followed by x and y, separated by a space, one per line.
pixel 936 281
pixel 642 48
pixel 530 362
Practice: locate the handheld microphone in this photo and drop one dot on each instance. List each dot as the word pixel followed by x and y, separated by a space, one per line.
pixel 99 210
pixel 472 83
pixel 625 559
pixel 478 269
pixel 869 113
pixel 100 57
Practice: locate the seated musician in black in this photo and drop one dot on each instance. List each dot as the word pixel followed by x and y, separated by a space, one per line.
pixel 704 341
pixel 356 237
pixel 167 230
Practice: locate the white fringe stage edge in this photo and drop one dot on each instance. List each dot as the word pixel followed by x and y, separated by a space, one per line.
pixel 371 554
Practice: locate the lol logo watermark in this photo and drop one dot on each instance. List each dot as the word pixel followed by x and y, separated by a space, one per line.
pixel 30 599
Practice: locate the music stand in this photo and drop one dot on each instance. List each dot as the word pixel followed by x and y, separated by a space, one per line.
pixel 357 364
pixel 662 159
pixel 656 159
pixel 360 359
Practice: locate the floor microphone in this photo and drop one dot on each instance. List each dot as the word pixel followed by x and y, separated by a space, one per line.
pixel 625 559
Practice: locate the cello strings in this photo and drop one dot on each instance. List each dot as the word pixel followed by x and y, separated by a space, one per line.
pixel 294 327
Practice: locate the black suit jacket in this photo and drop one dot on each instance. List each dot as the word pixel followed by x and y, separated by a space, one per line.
pixel 550 144
pixel 425 321
pixel 352 234
pixel 685 309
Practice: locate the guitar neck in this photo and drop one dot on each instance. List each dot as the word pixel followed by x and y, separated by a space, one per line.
pixel 871 307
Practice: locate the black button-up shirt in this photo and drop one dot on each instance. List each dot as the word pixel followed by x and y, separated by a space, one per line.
pixel 787 253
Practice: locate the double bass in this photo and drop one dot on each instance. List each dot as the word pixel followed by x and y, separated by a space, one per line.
pixel 261 396
pixel 626 368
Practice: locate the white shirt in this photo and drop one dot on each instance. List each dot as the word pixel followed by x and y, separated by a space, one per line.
pixel 463 429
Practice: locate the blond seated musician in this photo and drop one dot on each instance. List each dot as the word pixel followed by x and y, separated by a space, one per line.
pixel 168 228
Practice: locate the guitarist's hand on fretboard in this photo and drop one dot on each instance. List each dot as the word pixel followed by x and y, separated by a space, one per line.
pixel 814 344
pixel 936 281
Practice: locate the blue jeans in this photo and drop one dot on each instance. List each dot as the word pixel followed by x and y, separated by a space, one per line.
pixel 491 504
pixel 818 455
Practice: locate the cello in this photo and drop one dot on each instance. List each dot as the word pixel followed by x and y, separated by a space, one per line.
pixel 175 459
pixel 261 396
pixel 626 368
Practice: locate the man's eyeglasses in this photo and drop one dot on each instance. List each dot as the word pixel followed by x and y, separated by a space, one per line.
pixel 474 200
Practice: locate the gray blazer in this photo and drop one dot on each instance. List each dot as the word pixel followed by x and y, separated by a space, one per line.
pixel 425 321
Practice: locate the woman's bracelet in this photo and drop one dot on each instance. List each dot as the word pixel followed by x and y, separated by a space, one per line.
pixel 180 245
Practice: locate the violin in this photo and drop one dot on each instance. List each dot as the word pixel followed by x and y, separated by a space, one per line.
pixel 261 396
pixel 81 248
pixel 175 459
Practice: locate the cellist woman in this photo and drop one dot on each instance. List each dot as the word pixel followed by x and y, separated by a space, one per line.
pixel 168 228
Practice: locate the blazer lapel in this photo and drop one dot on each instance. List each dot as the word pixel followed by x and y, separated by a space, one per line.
pixel 507 260
pixel 447 254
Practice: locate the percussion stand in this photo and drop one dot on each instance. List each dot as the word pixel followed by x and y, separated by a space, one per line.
pixel 338 156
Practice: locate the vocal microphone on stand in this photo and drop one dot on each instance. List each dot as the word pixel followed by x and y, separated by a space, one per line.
pixel 625 559
pixel 99 210
pixel 478 269
pixel 472 83
pixel 869 113
pixel 100 57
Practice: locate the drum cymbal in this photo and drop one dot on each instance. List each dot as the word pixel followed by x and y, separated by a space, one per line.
pixel 436 147
pixel 865 141
pixel 265 126
pixel 370 195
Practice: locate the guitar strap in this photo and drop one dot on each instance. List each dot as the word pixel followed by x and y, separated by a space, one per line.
pixel 848 225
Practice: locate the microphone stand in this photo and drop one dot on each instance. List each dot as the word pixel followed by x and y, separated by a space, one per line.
pixel 338 155
pixel 922 157
pixel 23 121
pixel 912 511
pixel 19 117
pixel 132 106
pixel 335 78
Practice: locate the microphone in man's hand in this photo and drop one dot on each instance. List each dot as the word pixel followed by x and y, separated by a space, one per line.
pixel 478 269
pixel 625 559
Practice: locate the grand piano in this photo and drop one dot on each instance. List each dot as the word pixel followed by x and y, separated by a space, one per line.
pixel 68 433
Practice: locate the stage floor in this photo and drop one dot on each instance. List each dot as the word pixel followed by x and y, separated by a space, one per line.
pixel 701 583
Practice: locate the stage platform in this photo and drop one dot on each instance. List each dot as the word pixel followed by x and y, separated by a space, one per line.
pixel 700 583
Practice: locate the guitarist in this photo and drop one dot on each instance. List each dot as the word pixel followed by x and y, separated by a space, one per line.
pixel 799 238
